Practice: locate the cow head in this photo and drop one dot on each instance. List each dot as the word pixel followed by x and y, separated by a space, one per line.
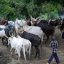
pixel 34 20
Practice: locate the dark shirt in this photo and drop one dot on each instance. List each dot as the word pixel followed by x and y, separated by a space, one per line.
pixel 54 45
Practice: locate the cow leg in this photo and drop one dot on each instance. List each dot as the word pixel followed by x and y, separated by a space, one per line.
pixel 7 42
pixel 3 41
pixel 29 50
pixel 24 55
pixel 47 38
pixel 11 51
pixel 37 51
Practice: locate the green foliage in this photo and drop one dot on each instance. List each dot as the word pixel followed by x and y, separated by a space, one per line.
pixel 50 11
pixel 43 16
pixel 33 9
pixel 12 9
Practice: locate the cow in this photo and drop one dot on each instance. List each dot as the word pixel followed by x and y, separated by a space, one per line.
pixel 55 22
pixel 4 22
pixel 19 44
pixel 45 26
pixel 22 24
pixel 5 33
pixel 34 39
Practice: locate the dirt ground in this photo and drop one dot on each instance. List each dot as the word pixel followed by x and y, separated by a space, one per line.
pixel 6 58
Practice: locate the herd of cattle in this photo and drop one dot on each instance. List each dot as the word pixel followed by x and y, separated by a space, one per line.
pixel 23 34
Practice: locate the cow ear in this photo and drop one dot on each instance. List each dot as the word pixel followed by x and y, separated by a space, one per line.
pixel 31 17
pixel 37 19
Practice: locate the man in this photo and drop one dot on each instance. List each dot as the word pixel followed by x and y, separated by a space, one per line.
pixel 54 46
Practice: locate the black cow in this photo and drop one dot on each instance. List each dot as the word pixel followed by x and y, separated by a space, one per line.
pixel 4 22
pixel 55 22
pixel 46 27
pixel 34 39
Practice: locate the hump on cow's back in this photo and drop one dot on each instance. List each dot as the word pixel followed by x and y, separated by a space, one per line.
pixel 43 21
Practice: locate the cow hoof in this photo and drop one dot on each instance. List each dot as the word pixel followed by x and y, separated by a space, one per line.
pixel 39 57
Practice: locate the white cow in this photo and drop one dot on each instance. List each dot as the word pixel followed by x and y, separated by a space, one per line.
pixel 19 44
pixel 19 23
pixel 11 23
pixel 2 33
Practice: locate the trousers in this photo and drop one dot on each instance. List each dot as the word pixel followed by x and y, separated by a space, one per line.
pixel 54 55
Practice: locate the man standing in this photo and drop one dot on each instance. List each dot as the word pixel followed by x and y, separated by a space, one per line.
pixel 54 46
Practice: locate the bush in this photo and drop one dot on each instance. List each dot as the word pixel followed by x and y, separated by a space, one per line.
pixel 12 9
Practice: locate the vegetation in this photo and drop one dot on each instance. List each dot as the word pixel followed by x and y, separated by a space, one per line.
pixel 46 9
